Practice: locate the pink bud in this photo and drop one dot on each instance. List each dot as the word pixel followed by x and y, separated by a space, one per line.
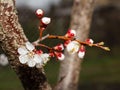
pixel 59 47
pixel 39 13
pixel 38 51
pixel 67 42
pixel 81 52
pixel 60 56
pixel 51 54
pixel 89 41
pixel 70 33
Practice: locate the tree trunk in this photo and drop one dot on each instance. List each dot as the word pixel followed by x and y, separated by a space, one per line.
pixel 71 66
pixel 11 37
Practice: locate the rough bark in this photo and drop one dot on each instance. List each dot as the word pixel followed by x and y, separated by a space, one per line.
pixel 71 66
pixel 11 37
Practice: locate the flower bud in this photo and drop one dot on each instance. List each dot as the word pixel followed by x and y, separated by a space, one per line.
pixel 89 41
pixel 59 47
pixel 70 33
pixel 44 22
pixel 39 13
pixel 81 52
pixel 51 55
pixel 60 56
pixel 67 42
pixel 39 52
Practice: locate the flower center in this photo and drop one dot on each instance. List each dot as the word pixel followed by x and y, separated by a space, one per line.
pixel 31 54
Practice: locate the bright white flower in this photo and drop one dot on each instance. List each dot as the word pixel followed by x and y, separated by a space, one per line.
pixel 73 47
pixel 28 56
pixel 46 20
pixel 26 52
pixel 3 60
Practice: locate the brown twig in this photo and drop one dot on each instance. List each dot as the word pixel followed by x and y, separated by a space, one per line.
pixel 99 45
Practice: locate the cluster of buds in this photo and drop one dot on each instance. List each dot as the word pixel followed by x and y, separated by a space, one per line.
pixel 73 46
pixel 32 57
pixel 44 21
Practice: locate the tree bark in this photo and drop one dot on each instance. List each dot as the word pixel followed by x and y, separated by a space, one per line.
pixel 71 66
pixel 11 37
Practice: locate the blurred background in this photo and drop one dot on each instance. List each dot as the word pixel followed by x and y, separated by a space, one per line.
pixel 100 69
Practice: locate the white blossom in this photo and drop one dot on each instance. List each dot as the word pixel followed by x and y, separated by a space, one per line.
pixel 31 63
pixel 73 47
pixel 44 59
pixel 3 60
pixel 29 57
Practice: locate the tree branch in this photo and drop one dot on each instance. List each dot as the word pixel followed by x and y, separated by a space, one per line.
pixel 11 38
pixel 71 66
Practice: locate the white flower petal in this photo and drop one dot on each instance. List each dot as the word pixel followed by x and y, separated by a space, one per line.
pixel 23 59
pixel 29 46
pixel 45 58
pixel 22 50
pixel 46 55
pixel 31 63
pixel 37 58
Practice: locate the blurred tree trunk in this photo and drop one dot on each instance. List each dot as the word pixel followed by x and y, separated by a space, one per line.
pixel 71 66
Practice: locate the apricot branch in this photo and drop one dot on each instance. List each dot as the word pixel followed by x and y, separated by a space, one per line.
pixel 32 57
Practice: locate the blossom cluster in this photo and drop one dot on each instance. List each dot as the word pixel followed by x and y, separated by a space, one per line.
pixel 32 57
pixel 74 46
